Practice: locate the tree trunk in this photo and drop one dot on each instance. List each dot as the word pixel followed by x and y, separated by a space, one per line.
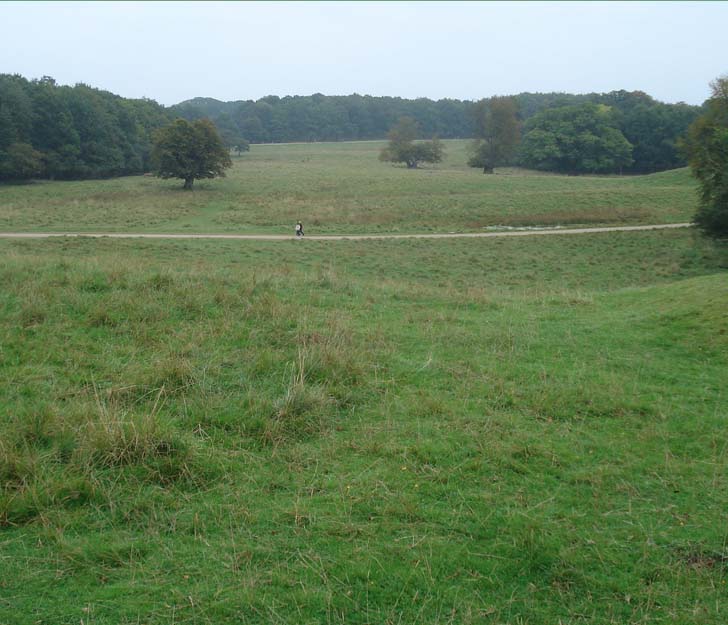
pixel 188 184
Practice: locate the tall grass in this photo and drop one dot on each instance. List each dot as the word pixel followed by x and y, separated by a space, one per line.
pixel 468 432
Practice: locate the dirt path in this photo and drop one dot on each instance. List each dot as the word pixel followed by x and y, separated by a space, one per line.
pixel 340 237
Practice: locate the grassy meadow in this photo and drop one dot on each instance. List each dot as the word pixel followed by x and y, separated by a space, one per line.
pixel 343 188
pixel 516 431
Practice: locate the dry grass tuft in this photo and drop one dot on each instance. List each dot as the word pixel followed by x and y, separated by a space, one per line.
pixel 301 411
pixel 115 437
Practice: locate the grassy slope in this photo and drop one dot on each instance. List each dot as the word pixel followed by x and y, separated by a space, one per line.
pixel 342 187
pixel 500 431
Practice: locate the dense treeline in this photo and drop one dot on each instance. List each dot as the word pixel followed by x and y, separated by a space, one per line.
pixel 53 131
pixel 652 128
pixel 328 118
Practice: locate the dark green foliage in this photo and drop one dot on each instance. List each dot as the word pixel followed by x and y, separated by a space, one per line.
pixel 403 149
pixel 653 128
pixel 575 139
pixel 654 131
pixel 328 118
pixel 189 151
pixel 242 145
pixel 530 104
pixel 252 129
pixel 51 131
pixel 707 146
pixel 496 133
pixel 20 162
pixel 229 132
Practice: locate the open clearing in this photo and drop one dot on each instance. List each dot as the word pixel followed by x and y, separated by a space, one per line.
pixel 343 189
pixel 504 431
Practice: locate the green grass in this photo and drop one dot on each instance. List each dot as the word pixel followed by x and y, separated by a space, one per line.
pixel 521 431
pixel 343 188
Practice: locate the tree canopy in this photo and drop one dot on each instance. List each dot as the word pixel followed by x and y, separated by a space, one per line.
pixel 189 151
pixel 496 133
pixel 242 145
pixel 575 139
pixel 53 131
pixel 653 128
pixel 274 119
pixel 403 149
pixel 707 146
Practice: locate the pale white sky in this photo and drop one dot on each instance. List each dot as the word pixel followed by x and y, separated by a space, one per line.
pixel 173 51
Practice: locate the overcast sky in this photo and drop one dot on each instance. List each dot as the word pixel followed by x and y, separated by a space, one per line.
pixel 173 51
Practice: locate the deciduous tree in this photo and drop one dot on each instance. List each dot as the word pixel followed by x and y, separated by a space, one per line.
pixel 575 139
pixel 707 148
pixel 496 133
pixel 20 162
pixel 189 151
pixel 79 132
pixel 403 149
pixel 242 145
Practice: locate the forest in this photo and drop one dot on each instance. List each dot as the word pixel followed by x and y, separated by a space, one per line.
pixel 54 131
pixel 60 132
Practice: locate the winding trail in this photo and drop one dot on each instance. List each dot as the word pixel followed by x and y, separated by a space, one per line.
pixel 341 237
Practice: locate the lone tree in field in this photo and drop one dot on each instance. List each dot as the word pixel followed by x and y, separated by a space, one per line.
pixel 496 133
pixel 707 148
pixel 403 149
pixel 189 151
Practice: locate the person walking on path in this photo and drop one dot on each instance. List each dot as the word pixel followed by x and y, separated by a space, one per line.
pixel 299 229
